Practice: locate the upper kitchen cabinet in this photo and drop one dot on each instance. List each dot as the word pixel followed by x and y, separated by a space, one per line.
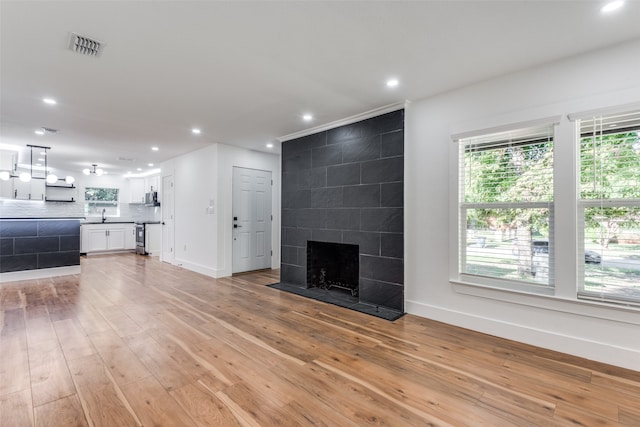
pixel 32 190
pixel 137 189
pixel 152 183
pixel 8 166
pixel 6 189
pixel 8 160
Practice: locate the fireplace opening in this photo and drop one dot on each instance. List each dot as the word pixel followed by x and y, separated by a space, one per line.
pixel 333 266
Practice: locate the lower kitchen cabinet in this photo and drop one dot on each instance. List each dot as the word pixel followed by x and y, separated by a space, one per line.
pixel 105 237
pixel 130 237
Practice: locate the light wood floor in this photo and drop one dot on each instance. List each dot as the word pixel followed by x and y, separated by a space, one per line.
pixel 134 342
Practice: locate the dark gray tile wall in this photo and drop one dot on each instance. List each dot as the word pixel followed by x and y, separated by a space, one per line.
pixel 35 244
pixel 345 185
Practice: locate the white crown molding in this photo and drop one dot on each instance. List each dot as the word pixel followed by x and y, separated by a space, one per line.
pixel 346 121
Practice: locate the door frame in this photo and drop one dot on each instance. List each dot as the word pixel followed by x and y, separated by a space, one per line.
pixel 168 243
pixel 271 215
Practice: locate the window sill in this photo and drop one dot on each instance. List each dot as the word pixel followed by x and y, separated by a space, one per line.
pixel 594 309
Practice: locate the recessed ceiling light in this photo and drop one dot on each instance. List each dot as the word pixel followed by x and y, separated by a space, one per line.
pixel 392 82
pixel 39 132
pixel 49 101
pixel 154 148
pixel 195 131
pixel 611 6
pixel 138 169
pixel 307 117
pixel 40 159
pixel 269 145
pixel 150 165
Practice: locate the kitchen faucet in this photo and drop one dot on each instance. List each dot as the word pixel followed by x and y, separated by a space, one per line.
pixel 104 215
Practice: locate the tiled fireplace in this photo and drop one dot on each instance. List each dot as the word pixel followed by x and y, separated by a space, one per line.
pixel 345 186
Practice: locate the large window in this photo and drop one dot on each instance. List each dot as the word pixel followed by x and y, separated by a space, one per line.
pixel 506 208
pixel 99 199
pixel 609 207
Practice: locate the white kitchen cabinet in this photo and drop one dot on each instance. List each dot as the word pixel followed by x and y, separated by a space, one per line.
pixel 137 190
pixel 130 237
pixel 6 189
pixel 152 183
pixel 104 237
pixel 153 239
pixel 8 160
pixel 32 190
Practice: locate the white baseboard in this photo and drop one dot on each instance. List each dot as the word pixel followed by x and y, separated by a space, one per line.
pixel 120 251
pixel 207 271
pixel 576 346
pixel 42 273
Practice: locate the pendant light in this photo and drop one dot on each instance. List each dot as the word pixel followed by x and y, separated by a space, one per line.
pixel 50 178
pixel 95 170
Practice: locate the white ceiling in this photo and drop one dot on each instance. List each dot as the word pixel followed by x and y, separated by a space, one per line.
pixel 245 72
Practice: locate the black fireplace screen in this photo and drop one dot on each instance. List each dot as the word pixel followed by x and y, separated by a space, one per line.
pixel 333 265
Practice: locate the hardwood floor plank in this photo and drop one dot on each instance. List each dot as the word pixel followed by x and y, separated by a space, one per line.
pixel 73 340
pixel 153 405
pixel 50 378
pixel 99 395
pixel 14 364
pixel 90 320
pixel 629 416
pixel 136 342
pixel 12 321
pixel 122 324
pixel 204 407
pixel 16 409
pixel 38 324
pixel 65 412
pixel 123 364
pixel 158 361
pixel 577 416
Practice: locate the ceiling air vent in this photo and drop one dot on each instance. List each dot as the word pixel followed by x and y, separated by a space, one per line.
pixel 85 45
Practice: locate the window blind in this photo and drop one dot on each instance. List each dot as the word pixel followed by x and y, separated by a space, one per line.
pixel 506 205
pixel 609 211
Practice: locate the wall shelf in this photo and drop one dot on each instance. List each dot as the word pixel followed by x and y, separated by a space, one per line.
pixel 60 186
pixel 60 200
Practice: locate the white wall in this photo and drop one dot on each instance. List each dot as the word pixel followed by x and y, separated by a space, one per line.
pixel 605 78
pixel 195 231
pixel 203 239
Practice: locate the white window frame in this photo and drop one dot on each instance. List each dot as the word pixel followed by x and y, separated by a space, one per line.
pixel 462 207
pixel 583 204
pixel 106 203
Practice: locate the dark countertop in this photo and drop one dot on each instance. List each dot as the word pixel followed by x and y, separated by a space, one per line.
pixel 107 222
pixel 147 222
pixel 53 218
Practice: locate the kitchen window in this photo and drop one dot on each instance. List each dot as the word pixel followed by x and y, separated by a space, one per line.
pixel 506 208
pixel 609 207
pixel 99 199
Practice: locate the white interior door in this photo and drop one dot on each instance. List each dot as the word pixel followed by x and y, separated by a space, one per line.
pixel 167 219
pixel 251 223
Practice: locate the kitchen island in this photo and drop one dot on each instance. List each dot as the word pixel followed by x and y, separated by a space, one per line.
pixel 39 247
